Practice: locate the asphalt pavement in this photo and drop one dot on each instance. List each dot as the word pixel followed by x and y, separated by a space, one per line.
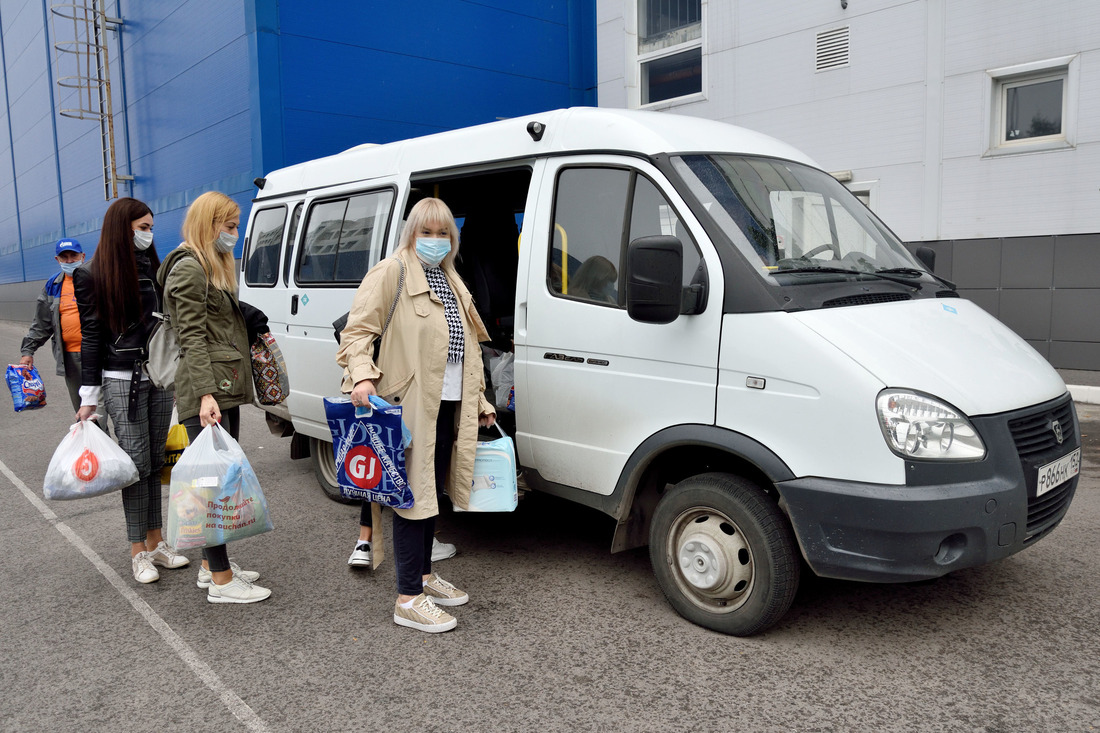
pixel 559 634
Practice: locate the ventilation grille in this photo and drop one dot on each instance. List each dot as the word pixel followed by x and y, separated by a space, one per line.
pixel 864 299
pixel 832 49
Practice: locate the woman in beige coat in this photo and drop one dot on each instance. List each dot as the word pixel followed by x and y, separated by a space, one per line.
pixel 430 364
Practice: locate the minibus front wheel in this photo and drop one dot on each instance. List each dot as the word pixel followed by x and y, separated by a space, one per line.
pixel 324 468
pixel 724 554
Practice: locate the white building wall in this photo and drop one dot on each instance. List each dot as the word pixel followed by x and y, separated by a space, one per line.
pixel 910 114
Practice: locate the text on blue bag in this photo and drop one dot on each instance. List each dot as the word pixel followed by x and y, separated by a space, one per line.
pixel 369 453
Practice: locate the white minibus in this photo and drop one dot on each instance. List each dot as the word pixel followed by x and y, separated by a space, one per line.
pixel 715 343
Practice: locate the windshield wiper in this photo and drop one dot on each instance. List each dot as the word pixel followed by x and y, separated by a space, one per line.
pixel 890 275
pixel 914 272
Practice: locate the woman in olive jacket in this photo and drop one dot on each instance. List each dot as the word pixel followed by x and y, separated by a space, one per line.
pixel 430 364
pixel 214 377
pixel 116 297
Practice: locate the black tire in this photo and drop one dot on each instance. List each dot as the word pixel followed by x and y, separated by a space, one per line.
pixel 724 554
pixel 324 468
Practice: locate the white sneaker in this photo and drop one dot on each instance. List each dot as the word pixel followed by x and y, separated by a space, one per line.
pixel 360 557
pixel 442 550
pixel 144 572
pixel 237 590
pixel 165 556
pixel 206 577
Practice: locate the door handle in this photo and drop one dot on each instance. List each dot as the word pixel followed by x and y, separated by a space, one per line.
pixel 294 305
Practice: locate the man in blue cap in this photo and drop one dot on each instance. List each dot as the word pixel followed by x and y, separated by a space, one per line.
pixel 56 318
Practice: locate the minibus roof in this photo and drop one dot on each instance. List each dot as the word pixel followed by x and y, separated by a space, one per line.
pixel 565 131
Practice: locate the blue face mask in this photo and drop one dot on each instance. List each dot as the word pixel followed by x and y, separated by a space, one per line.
pixel 69 267
pixel 431 251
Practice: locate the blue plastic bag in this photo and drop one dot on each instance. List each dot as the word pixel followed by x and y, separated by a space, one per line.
pixel 494 486
pixel 369 452
pixel 27 390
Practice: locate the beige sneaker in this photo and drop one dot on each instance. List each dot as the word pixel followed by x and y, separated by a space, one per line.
pixel 423 615
pixel 443 593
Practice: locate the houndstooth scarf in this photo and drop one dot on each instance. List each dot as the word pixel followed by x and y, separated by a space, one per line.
pixel 437 281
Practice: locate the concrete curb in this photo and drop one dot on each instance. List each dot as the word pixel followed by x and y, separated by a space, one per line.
pixel 1085 394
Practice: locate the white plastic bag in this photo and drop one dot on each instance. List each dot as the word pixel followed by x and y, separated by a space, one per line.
pixel 215 496
pixel 87 463
pixel 503 376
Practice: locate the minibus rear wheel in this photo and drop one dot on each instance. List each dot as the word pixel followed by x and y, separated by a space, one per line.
pixel 324 468
pixel 724 554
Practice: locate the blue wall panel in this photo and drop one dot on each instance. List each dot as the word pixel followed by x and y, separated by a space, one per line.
pixel 214 93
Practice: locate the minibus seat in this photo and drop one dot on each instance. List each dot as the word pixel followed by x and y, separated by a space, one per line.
pixel 488 260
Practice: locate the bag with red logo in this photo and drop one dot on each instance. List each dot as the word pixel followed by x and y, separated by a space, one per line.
pixel 368 446
pixel 87 463
pixel 214 496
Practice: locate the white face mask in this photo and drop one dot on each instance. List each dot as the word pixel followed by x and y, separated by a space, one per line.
pixel 142 239
pixel 225 242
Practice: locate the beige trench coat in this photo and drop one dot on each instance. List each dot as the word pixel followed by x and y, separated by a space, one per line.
pixel 411 359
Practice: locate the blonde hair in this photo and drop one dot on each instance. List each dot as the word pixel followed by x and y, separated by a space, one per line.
pixel 201 228
pixel 430 211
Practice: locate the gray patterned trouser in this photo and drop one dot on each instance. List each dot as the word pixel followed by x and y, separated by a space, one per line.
pixel 143 440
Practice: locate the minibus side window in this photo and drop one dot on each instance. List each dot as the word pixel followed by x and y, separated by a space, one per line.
pixel 589 212
pixel 262 260
pixel 341 236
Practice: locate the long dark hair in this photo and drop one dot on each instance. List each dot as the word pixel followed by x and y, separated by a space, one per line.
pixel 114 266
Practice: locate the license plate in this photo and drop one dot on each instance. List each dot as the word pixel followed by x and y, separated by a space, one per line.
pixel 1058 472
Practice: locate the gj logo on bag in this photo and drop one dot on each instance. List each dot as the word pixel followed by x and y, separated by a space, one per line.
pixel 369 453
pixel 362 467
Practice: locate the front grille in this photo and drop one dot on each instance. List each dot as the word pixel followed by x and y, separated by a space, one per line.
pixel 947 294
pixel 864 299
pixel 1037 444
pixel 1034 433
pixel 1047 509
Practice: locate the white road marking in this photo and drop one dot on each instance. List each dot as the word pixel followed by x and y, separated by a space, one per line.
pixel 230 699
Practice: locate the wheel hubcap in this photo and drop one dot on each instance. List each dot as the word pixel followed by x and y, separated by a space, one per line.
pixel 713 562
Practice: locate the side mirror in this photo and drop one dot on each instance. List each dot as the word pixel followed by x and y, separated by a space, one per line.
pixel 654 279
pixel 927 257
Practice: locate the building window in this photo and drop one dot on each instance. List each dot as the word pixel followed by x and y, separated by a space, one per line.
pixel 1033 106
pixel 670 49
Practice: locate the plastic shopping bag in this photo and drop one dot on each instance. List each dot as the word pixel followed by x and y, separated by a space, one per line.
pixel 173 449
pixel 215 496
pixel 504 382
pixel 494 484
pixel 27 390
pixel 87 463
pixel 369 452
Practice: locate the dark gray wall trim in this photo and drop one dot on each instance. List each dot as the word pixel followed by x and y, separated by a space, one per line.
pixel 1046 289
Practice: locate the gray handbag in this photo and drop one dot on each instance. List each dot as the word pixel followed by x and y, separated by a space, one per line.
pixel 163 348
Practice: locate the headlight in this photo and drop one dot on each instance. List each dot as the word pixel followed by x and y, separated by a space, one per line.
pixel 923 428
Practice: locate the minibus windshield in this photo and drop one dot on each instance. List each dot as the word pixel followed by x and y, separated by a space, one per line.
pixel 788 220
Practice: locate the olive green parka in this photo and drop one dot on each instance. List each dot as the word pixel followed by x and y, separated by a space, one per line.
pixel 213 336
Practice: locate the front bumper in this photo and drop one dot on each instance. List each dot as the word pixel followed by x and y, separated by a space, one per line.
pixel 948 516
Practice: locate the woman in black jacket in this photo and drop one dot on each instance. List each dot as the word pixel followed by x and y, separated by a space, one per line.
pixel 116 294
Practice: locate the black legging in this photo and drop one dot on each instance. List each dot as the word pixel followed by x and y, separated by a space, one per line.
pixel 217 557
